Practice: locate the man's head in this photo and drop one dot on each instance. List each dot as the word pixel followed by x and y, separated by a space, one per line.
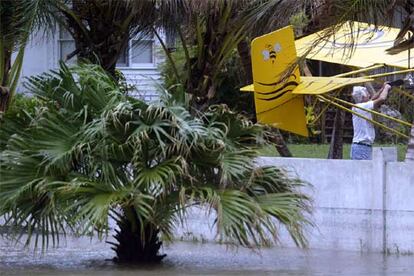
pixel 360 94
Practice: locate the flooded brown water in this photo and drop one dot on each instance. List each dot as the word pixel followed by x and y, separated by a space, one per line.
pixel 85 257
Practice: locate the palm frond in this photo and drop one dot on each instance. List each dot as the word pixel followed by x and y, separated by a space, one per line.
pixel 288 209
pixel 21 18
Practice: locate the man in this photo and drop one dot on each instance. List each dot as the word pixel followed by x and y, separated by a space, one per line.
pixel 364 132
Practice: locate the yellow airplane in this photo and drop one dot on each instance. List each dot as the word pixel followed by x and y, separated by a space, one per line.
pixel 278 87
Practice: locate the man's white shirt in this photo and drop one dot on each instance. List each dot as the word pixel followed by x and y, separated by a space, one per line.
pixel 364 131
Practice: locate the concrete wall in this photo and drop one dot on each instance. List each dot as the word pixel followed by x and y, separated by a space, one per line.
pixel 364 206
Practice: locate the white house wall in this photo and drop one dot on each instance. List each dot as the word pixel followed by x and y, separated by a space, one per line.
pixel 42 55
pixel 145 82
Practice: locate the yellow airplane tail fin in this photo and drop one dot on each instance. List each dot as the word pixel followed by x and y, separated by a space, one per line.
pixel 276 75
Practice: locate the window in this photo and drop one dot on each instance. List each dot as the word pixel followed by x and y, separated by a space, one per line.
pixel 139 53
pixel 66 46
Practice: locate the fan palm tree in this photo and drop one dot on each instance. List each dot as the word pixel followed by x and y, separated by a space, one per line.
pixel 91 153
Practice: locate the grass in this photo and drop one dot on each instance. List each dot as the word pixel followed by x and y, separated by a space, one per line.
pixel 321 150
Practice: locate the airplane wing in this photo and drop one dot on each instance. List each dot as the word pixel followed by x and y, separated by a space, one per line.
pixel 321 85
pixel 370 46
pixel 318 85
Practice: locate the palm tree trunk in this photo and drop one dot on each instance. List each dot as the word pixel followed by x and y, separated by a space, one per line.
pixel 244 52
pixel 280 143
pixel 336 147
pixel 136 246
pixel 4 98
pixel 409 157
pixel 4 90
